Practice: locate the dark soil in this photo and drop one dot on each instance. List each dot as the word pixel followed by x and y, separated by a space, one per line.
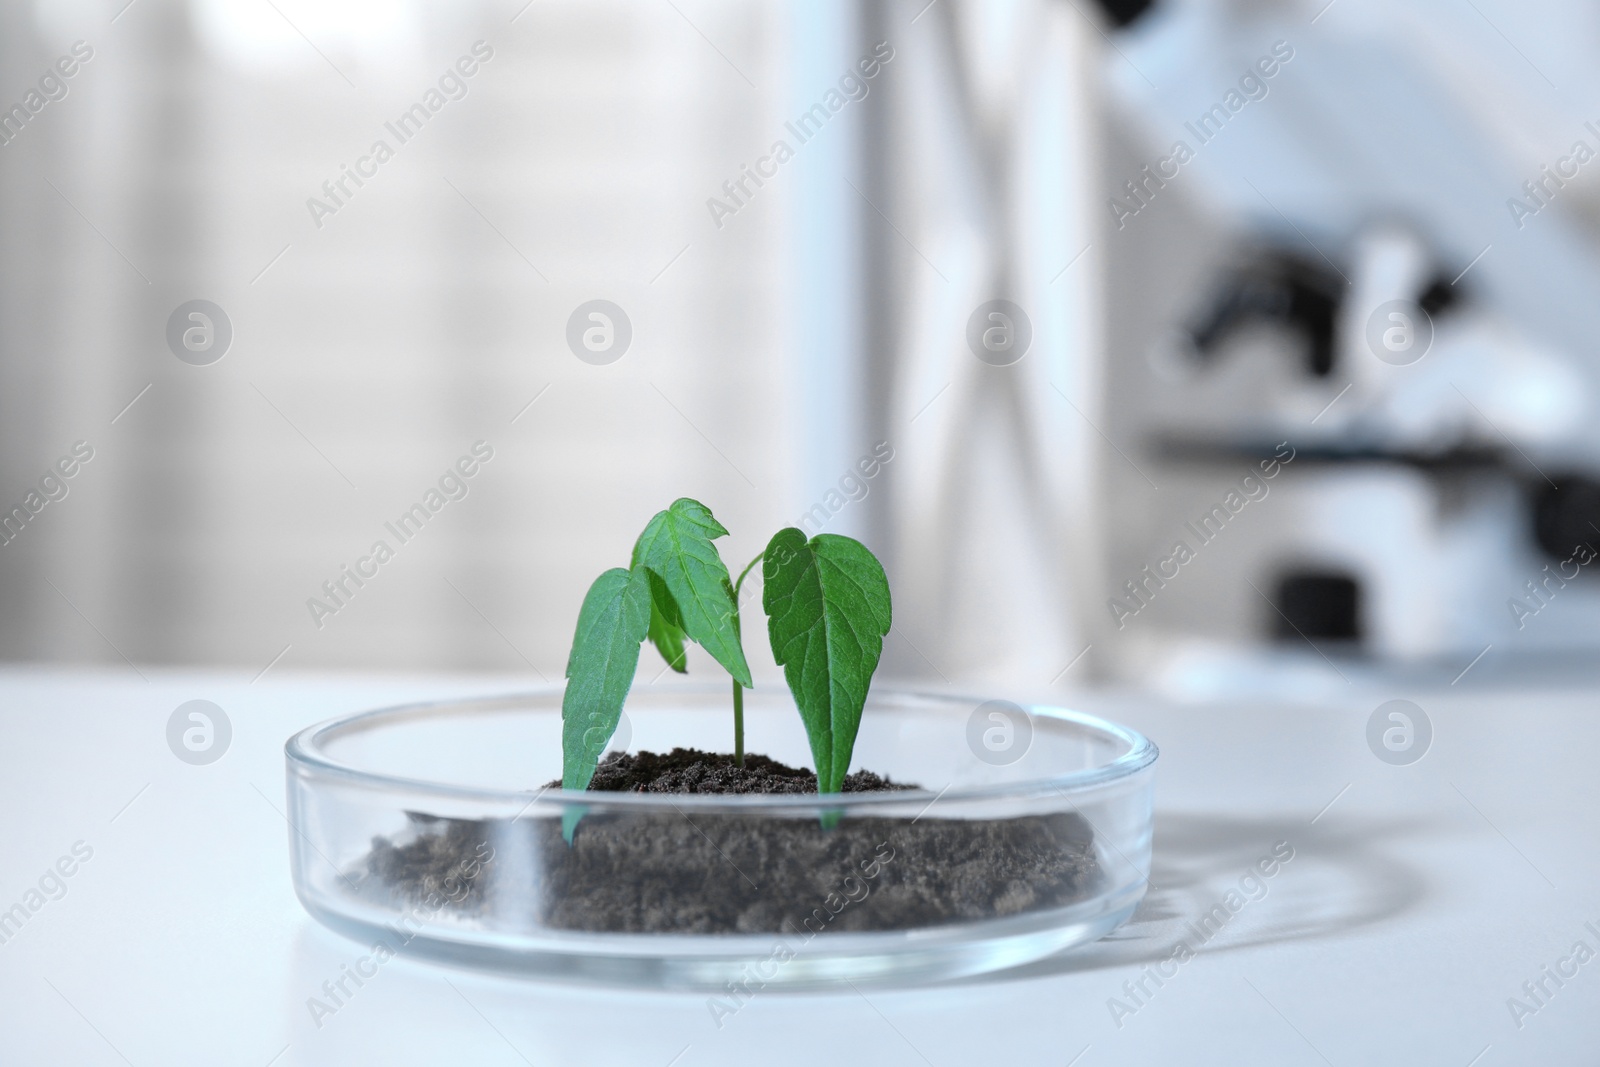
pixel 717 873
pixel 689 770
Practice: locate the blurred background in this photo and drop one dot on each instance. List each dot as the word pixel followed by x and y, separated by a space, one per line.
pixel 1188 343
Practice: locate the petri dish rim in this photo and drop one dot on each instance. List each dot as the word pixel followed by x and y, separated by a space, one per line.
pixel 307 749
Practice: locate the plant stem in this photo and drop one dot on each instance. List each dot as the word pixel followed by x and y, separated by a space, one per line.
pixel 738 724
pixel 738 690
pixel 740 583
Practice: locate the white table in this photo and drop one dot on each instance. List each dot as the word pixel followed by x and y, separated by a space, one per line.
pixel 1416 904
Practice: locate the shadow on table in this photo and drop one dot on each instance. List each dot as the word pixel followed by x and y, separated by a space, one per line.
pixel 1342 876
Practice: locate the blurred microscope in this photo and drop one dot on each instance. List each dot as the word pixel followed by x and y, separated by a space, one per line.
pixel 1352 379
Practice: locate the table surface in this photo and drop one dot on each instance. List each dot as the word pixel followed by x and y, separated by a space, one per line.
pixel 1418 902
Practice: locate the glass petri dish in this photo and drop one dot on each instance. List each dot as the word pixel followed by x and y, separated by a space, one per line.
pixel 430 830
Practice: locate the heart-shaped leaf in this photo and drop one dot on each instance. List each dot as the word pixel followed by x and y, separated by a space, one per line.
pixel 676 547
pixel 605 653
pixel 827 604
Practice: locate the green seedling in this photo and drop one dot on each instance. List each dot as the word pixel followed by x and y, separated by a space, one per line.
pixel 827 606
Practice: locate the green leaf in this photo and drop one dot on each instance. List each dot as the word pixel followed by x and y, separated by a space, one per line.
pixel 676 547
pixel 605 653
pixel 571 815
pixel 665 634
pixel 827 604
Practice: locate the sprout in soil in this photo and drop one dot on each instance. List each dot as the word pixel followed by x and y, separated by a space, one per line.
pixel 827 606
